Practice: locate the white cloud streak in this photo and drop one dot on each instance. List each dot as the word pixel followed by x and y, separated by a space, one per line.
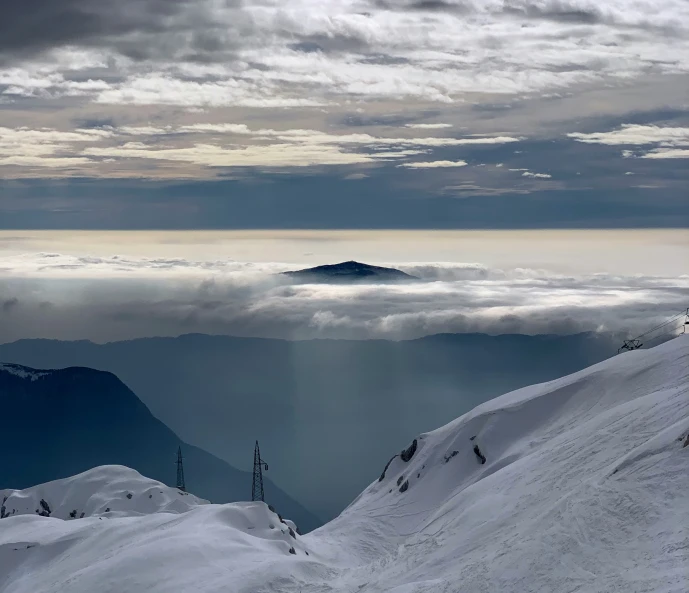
pixel 433 164
pixel 632 134
pixel 536 175
pixel 428 126
pixel 667 153
pixel 45 147
pixel 673 142
pixel 250 148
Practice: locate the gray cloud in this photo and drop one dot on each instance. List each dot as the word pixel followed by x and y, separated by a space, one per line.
pixel 329 49
pixel 338 68
pixel 9 304
pixel 36 25
pixel 564 12
pixel 425 6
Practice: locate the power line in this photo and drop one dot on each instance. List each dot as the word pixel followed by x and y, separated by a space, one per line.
pixel 663 324
pixel 636 343
pixel 672 332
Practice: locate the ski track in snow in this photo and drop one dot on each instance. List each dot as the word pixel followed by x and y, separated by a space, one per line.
pixel 585 488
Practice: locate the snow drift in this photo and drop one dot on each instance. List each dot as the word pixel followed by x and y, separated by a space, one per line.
pixel 585 488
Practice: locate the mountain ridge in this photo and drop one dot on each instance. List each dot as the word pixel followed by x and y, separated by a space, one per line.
pixel 350 271
pixel 222 392
pixel 70 420
pixel 582 488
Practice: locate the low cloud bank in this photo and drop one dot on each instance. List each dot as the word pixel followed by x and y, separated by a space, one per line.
pixel 102 299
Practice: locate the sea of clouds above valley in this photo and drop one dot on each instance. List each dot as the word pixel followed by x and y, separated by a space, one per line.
pixel 108 298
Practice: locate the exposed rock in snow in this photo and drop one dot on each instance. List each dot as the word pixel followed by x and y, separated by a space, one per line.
pixel 385 469
pixel 408 453
pixel 584 489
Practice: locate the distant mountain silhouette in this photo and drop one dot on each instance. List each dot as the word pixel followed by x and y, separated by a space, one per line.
pixel 350 271
pixel 316 405
pixel 58 423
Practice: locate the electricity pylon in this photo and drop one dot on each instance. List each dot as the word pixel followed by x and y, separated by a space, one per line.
pixel 259 466
pixel 180 471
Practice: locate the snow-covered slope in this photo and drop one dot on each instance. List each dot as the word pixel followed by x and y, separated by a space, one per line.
pixel 585 488
pixel 157 540
pixel 108 490
pixel 222 393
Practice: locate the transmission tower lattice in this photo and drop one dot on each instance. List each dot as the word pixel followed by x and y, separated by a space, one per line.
pixel 634 344
pixel 259 466
pixel 180 471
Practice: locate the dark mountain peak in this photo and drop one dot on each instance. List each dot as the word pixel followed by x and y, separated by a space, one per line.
pixel 350 271
pixel 75 374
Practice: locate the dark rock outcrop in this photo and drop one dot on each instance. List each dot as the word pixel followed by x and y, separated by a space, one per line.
pixel 480 455
pixel 45 509
pixel 408 453
pixel 450 456
pixel 387 465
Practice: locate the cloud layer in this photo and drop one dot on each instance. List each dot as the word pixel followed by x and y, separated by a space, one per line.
pixel 109 150
pixel 122 297
pixel 540 98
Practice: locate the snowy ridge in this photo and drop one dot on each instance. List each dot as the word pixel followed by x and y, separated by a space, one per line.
pixel 112 490
pixel 585 470
pixel 22 371
pixel 585 488
pixel 137 543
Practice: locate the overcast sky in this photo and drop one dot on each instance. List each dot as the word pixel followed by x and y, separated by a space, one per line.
pixel 341 114
pixel 344 114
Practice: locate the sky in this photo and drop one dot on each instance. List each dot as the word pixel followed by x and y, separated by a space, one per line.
pixel 337 114
pixel 486 146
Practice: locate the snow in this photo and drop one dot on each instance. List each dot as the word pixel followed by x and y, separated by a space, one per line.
pixel 585 488
pixel 112 490
pixel 21 371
